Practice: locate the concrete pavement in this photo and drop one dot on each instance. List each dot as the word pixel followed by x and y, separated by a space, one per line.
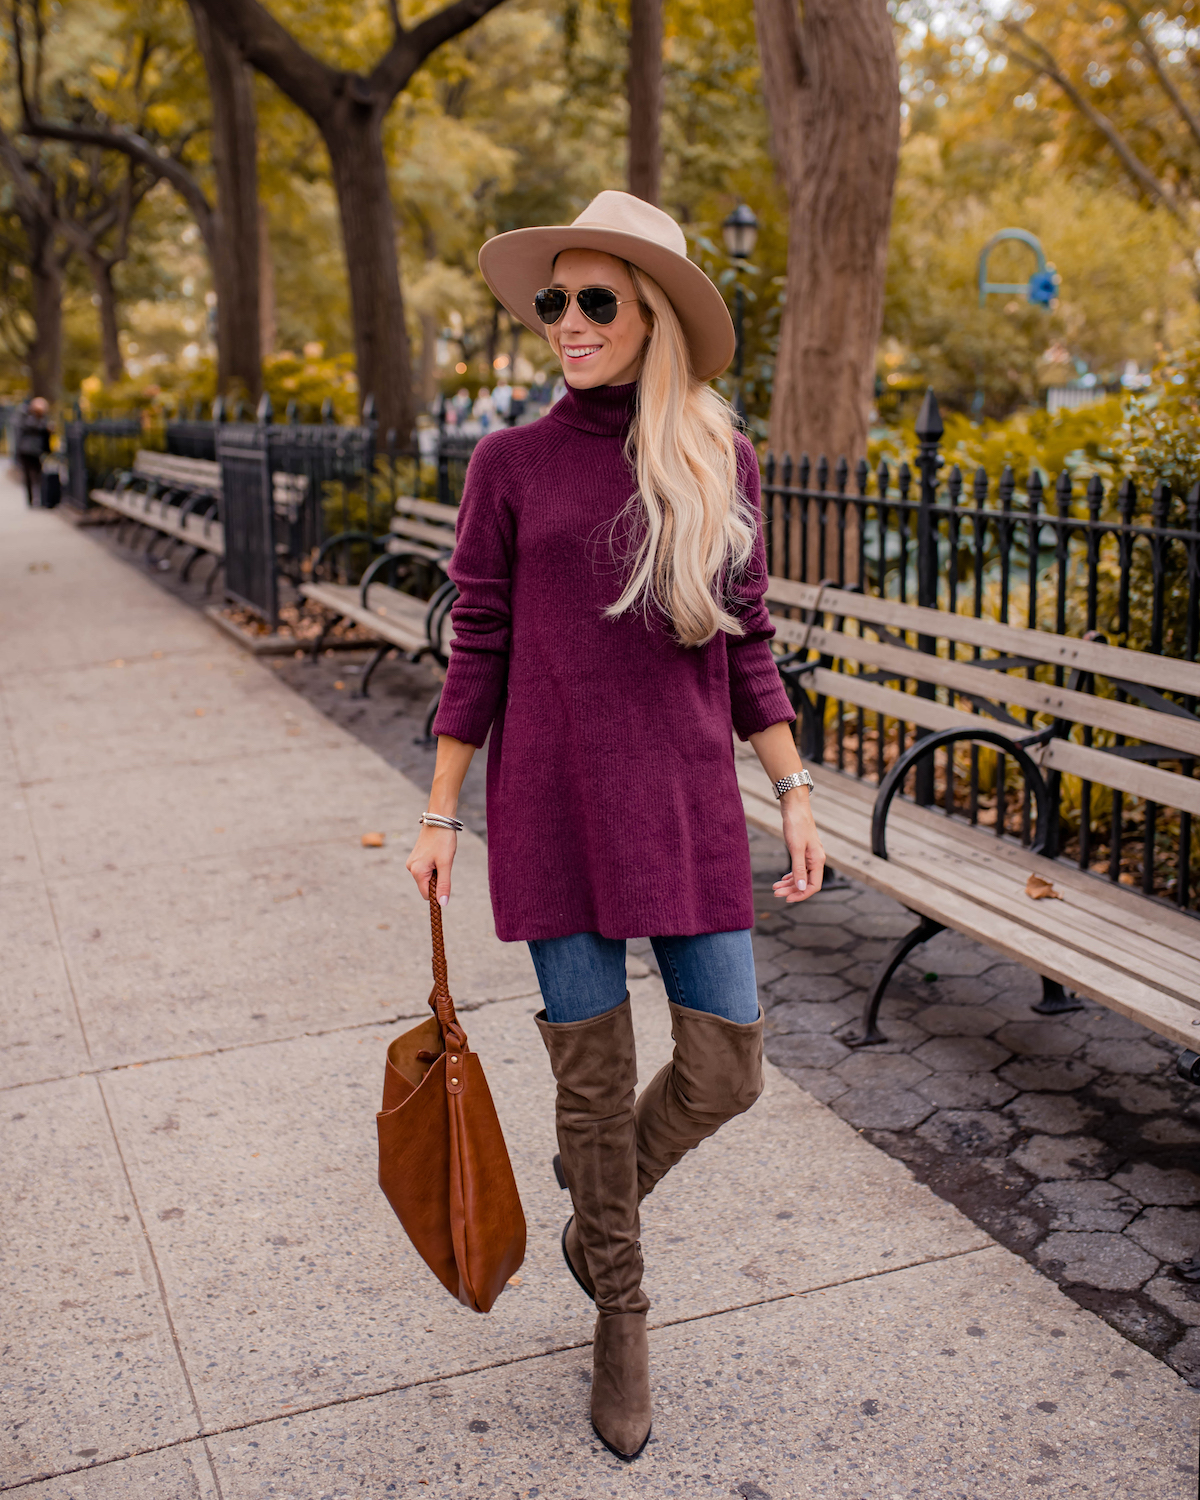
pixel 205 1293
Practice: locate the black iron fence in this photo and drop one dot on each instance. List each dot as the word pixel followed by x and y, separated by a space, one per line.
pixel 1072 557
pixel 98 449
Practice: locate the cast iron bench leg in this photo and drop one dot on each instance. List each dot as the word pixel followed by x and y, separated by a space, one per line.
pixel 427 738
pixel 1055 1000
pixel 218 564
pixel 364 686
pixel 1187 1065
pixel 921 933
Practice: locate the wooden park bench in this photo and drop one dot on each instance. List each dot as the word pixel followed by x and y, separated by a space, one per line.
pixel 172 497
pixel 422 531
pixel 1033 698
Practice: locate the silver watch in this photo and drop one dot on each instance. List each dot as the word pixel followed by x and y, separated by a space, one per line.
pixel 786 783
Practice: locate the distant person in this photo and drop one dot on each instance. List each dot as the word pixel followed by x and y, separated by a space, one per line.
pixel 613 644
pixel 33 443
pixel 502 399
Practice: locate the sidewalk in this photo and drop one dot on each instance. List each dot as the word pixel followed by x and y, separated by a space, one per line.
pixel 205 1293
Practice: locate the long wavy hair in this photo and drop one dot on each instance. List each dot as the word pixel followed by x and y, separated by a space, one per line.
pixel 690 529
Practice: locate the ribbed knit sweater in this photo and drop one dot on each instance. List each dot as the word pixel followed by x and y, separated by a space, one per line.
pixel 612 802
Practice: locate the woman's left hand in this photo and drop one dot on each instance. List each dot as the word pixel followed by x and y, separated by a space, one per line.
pixel 804 845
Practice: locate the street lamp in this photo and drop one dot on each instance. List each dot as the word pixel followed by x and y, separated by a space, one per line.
pixel 740 233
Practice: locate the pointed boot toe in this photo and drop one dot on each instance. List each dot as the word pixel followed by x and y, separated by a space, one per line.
pixel 621 1408
pixel 573 1255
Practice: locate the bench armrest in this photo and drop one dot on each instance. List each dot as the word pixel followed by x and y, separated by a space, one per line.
pixel 894 780
pixel 342 539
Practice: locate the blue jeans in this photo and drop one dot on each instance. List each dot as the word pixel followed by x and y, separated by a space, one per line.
pixel 584 975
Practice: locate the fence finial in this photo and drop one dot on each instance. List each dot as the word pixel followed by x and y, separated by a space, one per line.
pixel 930 426
pixel 265 412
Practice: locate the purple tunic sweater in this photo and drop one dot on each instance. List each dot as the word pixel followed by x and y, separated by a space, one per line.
pixel 612 802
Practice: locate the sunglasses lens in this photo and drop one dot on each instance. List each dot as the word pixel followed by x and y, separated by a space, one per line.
pixel 597 304
pixel 550 304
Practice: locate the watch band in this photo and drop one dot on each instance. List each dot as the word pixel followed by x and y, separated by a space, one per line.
pixel 787 783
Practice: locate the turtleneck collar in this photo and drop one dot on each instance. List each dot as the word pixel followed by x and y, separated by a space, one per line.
pixel 604 409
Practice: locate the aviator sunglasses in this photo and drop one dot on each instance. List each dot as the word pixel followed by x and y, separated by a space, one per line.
pixel 596 303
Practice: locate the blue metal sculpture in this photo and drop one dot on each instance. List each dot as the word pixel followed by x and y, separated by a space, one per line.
pixel 1042 286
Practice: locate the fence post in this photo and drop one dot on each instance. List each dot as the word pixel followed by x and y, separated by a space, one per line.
pixel 929 461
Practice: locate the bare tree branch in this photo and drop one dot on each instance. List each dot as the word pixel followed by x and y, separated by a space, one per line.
pixel 138 149
pixel 1145 44
pixel 411 48
pixel 1044 62
pixel 269 47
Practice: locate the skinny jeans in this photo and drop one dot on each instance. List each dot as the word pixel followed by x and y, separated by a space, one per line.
pixel 583 975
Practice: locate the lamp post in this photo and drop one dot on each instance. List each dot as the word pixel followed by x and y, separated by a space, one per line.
pixel 740 233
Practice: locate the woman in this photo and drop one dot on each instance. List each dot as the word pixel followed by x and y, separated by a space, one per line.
pixel 610 632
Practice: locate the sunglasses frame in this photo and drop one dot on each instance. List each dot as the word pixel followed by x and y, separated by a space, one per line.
pixel 620 302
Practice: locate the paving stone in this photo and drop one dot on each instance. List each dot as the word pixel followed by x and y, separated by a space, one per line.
pixel 962 1054
pixel 797 1015
pixel 1185 1356
pixel 950 954
pixel 765 972
pixel 1015 1005
pixel 860 974
pixel 1172 1234
pixel 1153 1185
pixel 766 947
pixel 1180 1298
pixel 794 958
pixel 1061 1074
pixel 1086 1205
pixel 1052 1114
pixel 957 1020
pixel 1137 1096
pixel 819 1082
pixel 1055 1156
pixel 901 1034
pixel 1015 980
pixel 885 1108
pixel 1105 1024
pixel 1039 1039
pixel 798 985
pixel 957 989
pixel 874 1069
pixel 806 1050
pixel 1126 1057
pixel 881 924
pixel 970 1132
pixel 817 962
pixel 1170 1131
pixel 1107 1261
pixel 965 1090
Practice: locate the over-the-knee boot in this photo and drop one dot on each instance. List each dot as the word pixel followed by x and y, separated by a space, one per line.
pixel 595 1067
pixel 714 1075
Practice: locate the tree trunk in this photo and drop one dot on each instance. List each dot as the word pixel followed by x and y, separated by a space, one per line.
pixel 235 232
pixel 266 286
pixel 831 82
pixel 354 139
pixel 101 273
pixel 645 89
pixel 429 338
pixel 45 357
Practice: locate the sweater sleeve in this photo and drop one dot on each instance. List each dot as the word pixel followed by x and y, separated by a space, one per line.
pixel 481 568
pixel 757 698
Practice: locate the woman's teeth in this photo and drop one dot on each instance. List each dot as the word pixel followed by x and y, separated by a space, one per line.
pixel 582 353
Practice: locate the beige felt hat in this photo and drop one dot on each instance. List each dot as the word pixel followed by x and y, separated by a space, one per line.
pixel 518 264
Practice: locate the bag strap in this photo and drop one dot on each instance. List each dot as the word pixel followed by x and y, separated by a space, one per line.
pixel 440 1001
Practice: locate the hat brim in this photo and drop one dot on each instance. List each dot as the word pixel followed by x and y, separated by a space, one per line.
pixel 518 264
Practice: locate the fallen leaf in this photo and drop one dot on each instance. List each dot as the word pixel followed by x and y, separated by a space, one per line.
pixel 199 713
pixel 118 663
pixel 372 840
pixel 339 686
pixel 515 1280
pixel 384 926
pixel 1040 889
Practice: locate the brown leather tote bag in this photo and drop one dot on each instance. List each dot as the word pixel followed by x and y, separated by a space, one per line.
pixel 443 1164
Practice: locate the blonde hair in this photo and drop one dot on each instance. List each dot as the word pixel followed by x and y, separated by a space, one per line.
pixel 691 526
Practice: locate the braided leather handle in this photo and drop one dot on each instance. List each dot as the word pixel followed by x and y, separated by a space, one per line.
pixel 439 1000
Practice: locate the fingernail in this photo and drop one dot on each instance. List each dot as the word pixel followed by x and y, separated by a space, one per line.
pixel 800 885
pixel 442 900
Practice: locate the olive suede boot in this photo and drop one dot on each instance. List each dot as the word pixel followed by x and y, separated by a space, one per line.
pixel 595 1068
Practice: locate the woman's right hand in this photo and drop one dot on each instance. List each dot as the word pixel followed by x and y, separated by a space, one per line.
pixel 434 850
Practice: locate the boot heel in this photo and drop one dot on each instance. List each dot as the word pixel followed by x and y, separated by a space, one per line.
pixel 558 1171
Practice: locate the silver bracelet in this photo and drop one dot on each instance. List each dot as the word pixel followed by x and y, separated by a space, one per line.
pixel 435 820
pixel 787 783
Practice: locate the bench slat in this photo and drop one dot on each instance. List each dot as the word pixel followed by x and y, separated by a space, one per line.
pixel 1163 672
pixel 1162 1013
pixel 196 532
pixel 846 803
pixel 432 510
pixel 1081 708
pixel 387 624
pixel 1167 788
pixel 422 532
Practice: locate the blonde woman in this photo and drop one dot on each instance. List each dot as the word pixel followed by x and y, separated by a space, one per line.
pixel 610 633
